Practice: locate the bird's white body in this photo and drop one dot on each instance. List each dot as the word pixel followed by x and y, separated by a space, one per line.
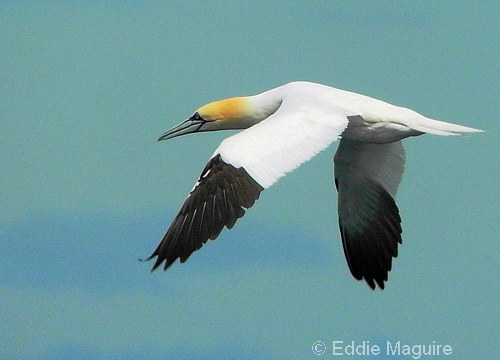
pixel 285 127
pixel 310 117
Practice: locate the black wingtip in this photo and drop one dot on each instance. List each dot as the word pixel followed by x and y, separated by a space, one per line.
pixel 159 261
pixel 156 264
pixel 370 283
pixel 369 253
pixel 373 283
pixel 217 201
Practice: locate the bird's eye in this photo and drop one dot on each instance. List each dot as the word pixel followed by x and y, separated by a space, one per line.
pixel 196 116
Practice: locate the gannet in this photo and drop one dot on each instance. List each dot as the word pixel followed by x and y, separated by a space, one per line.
pixel 285 127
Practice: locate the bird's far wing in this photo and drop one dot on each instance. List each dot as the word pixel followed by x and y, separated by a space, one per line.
pixel 241 167
pixel 367 177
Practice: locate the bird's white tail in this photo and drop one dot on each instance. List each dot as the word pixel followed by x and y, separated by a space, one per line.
pixel 437 127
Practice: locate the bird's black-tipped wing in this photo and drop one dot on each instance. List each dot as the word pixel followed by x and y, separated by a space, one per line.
pixel 370 248
pixel 367 177
pixel 217 200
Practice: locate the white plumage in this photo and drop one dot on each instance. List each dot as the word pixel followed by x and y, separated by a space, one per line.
pixel 285 127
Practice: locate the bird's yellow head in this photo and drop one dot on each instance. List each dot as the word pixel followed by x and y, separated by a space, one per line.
pixel 232 109
pixel 232 113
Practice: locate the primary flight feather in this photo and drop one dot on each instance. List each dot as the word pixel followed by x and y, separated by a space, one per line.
pixel 285 127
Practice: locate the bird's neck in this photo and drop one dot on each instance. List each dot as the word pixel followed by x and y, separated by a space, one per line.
pixel 265 104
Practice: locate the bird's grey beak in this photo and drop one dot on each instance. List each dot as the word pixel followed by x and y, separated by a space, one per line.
pixel 188 126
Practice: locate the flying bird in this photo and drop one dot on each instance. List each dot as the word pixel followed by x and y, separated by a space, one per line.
pixel 285 127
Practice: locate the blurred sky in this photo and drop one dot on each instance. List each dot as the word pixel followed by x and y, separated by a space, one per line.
pixel 87 87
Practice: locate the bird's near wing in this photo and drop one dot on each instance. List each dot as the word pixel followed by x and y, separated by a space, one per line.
pixel 217 200
pixel 367 177
pixel 241 167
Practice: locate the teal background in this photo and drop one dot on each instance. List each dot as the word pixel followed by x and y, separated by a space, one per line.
pixel 85 190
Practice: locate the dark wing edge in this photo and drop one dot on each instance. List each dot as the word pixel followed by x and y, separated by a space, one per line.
pixel 367 176
pixel 369 251
pixel 217 200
